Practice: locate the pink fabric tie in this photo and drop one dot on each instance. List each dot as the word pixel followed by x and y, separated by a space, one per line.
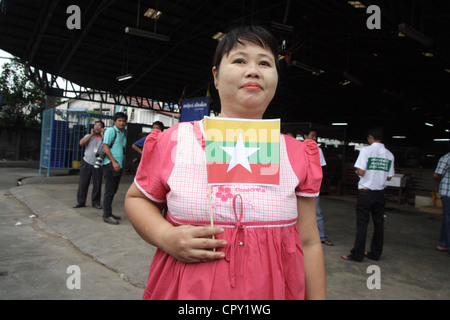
pixel 232 247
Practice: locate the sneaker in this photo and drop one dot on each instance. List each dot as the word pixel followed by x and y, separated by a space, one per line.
pixel 110 220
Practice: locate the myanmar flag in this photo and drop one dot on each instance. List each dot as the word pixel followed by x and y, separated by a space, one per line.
pixel 242 151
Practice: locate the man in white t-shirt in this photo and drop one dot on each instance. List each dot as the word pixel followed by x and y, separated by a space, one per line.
pixel 374 166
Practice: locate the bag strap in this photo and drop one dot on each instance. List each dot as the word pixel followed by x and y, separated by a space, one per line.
pixel 114 140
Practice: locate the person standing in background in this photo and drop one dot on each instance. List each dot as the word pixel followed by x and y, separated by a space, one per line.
pixel 442 175
pixel 114 143
pixel 139 144
pixel 311 133
pixel 92 142
pixel 374 166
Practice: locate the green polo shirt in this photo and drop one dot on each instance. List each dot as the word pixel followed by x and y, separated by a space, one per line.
pixel 117 149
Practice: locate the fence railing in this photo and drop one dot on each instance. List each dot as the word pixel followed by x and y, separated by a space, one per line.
pixel 60 137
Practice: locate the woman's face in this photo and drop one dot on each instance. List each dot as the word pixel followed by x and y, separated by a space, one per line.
pixel 246 80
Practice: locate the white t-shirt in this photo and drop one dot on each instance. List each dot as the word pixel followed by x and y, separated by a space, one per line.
pixel 323 163
pixel 378 164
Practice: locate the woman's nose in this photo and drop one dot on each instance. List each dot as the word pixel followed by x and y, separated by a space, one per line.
pixel 252 71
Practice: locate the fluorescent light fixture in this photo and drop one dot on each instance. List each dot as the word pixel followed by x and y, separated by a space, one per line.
pixel 125 77
pixel 356 4
pixel 218 36
pixel 147 34
pixel 303 66
pixel 152 14
pixel 345 82
pixel 440 140
pixel 412 33
pixel 399 137
pixel 339 124
pixel 429 124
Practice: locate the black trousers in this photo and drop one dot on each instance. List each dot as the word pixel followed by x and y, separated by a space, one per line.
pixel 369 202
pixel 112 182
pixel 87 171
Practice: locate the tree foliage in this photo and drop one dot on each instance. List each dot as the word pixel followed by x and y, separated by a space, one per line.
pixel 23 100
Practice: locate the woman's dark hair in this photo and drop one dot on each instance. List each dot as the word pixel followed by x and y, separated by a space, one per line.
pixel 253 34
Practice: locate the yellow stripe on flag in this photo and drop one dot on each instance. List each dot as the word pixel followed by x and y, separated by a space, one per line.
pixel 221 129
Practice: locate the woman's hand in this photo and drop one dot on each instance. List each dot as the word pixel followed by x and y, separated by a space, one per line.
pixel 193 244
pixel 186 243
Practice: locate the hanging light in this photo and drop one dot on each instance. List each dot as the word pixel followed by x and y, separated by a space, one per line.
pixel 125 77
pixel 147 34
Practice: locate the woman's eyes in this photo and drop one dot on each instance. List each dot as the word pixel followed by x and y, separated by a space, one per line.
pixel 262 63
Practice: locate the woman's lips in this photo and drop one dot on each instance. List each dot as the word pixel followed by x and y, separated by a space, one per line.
pixel 252 86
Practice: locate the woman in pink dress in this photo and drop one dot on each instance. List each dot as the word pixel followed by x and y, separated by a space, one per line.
pixel 265 242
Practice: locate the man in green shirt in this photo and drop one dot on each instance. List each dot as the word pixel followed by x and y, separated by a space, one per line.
pixel 114 143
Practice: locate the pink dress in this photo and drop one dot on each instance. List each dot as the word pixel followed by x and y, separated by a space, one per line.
pixel 264 256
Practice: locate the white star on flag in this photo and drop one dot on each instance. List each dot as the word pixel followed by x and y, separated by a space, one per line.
pixel 239 154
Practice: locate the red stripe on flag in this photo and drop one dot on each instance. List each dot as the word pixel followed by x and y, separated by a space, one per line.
pixel 261 174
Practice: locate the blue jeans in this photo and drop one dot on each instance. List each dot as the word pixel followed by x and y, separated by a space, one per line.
pixel 444 239
pixel 320 223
